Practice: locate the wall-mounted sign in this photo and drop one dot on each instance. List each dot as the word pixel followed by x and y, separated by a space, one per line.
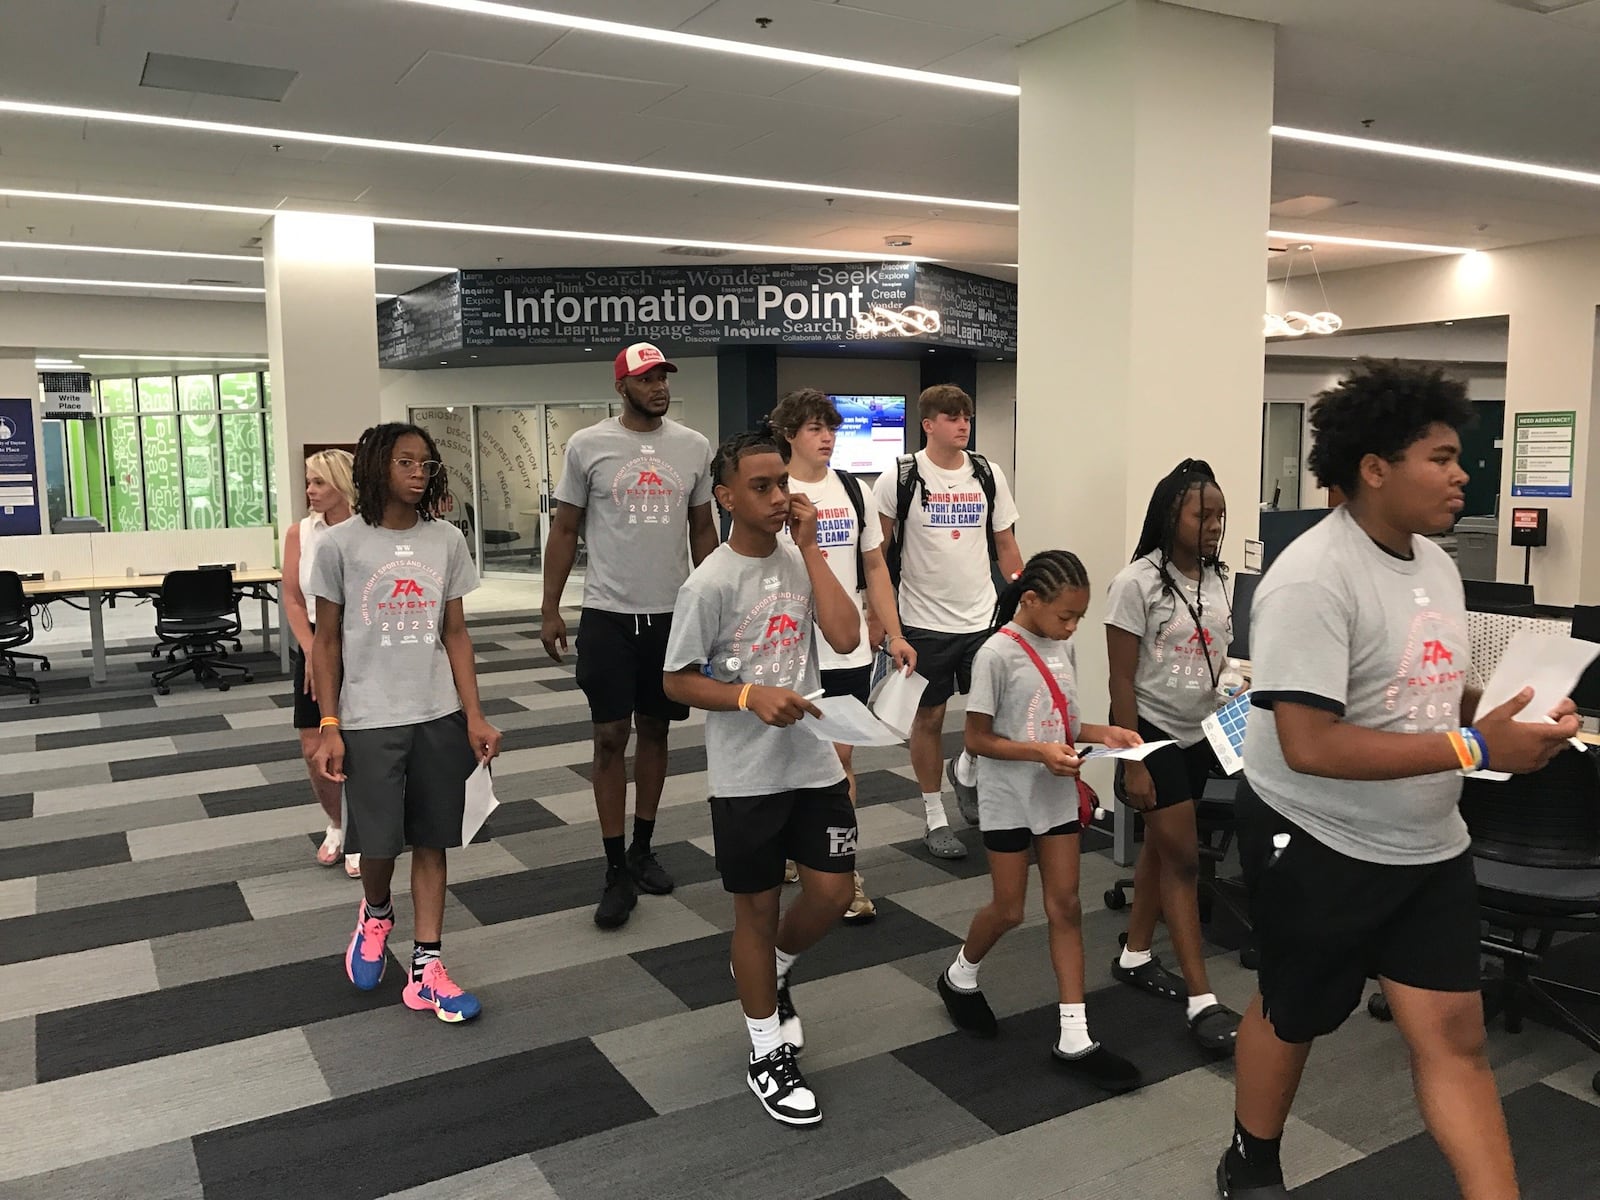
pixel 1542 454
pixel 687 308
pixel 67 395
pixel 19 483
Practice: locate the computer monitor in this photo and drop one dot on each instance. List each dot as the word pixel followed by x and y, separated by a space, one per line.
pixel 873 434
pixel 1280 527
pixel 1244 595
pixel 1586 628
pixel 1487 596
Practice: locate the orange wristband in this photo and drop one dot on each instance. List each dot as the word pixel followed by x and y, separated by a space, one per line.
pixel 744 696
pixel 327 721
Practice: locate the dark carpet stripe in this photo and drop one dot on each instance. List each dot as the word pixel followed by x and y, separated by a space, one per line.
pixel 873 1189
pixel 697 971
pixel 53 706
pixel 261 798
pixel 447 1123
pixel 16 808
pixel 1012 1082
pixel 566 885
pixel 113 1033
pixel 202 723
pixel 204 760
pixel 67 931
pixel 51 858
pixel 686 760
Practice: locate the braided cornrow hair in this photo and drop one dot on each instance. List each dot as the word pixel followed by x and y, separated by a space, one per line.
pixel 371 468
pixel 1047 574
pixel 1160 530
pixel 760 440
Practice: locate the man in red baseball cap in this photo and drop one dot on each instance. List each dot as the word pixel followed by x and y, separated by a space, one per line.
pixel 639 487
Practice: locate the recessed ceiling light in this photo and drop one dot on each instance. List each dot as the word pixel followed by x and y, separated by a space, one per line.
pixel 140 252
pixel 576 235
pixel 127 283
pixel 694 41
pixel 588 349
pixel 897 240
pixel 28 108
pixel 1429 154
pixel 188 358
pixel 1377 243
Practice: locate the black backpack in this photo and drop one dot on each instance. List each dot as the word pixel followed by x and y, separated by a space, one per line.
pixel 852 488
pixel 908 479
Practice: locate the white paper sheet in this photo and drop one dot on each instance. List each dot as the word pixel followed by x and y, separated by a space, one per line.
pixel 846 720
pixel 1134 754
pixel 480 803
pixel 897 700
pixel 1551 666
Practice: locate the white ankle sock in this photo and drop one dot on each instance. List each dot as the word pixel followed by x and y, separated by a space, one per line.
pixel 933 807
pixel 967 769
pixel 785 961
pixel 764 1037
pixel 1134 958
pixel 1075 1037
pixel 1201 1003
pixel 963 975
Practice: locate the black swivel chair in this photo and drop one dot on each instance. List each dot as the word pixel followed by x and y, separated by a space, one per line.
pixel 16 629
pixel 1536 846
pixel 196 612
pixel 494 540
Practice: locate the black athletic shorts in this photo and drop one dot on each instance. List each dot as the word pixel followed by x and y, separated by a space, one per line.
pixel 307 712
pixel 621 658
pixel 406 786
pixel 1015 841
pixel 848 681
pixel 1326 922
pixel 945 661
pixel 754 835
pixel 1179 773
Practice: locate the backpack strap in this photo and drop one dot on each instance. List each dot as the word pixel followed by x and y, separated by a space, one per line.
pixel 984 474
pixel 907 477
pixel 852 488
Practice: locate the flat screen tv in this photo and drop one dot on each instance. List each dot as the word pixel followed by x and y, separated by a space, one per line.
pixel 872 435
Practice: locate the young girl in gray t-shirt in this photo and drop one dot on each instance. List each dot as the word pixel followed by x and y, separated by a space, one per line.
pixel 1022 722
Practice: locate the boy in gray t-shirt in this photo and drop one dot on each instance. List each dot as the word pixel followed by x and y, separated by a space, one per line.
pixel 1352 845
pixel 638 487
pixel 742 649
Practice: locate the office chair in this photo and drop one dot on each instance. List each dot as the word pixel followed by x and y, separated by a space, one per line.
pixel 1216 826
pixel 16 629
pixel 195 613
pixel 1536 850
pixel 493 539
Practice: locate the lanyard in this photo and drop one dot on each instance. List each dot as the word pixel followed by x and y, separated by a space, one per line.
pixel 1197 614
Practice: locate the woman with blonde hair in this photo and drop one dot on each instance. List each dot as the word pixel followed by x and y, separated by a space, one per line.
pixel 330 497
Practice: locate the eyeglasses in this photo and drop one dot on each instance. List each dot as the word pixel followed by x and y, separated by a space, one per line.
pixel 429 466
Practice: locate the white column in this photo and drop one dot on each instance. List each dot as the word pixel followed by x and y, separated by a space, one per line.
pixel 322 339
pixel 1145 182
pixel 19 379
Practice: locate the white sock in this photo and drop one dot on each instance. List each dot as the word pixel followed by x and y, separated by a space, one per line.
pixel 933 807
pixel 1075 1037
pixel 967 769
pixel 963 975
pixel 785 961
pixel 1134 958
pixel 764 1037
pixel 1201 1003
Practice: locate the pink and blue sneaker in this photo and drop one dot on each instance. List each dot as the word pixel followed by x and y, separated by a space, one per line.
pixel 367 955
pixel 435 991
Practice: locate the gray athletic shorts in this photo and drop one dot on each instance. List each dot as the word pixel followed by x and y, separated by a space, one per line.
pixel 406 786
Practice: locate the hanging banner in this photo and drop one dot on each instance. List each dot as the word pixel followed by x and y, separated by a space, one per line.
pixel 1542 454
pixel 67 396
pixel 19 483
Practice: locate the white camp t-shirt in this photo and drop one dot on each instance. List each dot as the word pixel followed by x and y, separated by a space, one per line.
pixel 837 534
pixel 945 581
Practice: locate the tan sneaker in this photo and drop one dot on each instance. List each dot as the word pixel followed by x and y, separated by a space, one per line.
pixel 861 909
pixel 791 871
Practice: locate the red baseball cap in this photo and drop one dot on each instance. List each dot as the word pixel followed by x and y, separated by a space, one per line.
pixel 639 358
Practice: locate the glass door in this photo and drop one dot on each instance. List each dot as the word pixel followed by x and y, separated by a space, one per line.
pixel 510 476
pixel 561 421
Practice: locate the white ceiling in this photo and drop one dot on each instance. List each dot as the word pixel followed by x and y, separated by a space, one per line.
pixel 1475 75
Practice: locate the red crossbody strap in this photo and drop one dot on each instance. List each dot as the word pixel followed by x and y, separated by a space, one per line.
pixel 1057 697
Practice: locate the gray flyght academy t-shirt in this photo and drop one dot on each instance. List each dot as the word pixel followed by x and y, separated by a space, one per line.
pixel 1011 689
pixel 636 490
pixel 754 621
pixel 394 584
pixel 1341 624
pixel 1173 683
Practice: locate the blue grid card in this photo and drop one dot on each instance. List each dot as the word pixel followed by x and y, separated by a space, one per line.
pixel 1225 731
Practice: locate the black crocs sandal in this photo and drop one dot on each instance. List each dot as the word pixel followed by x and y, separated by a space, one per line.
pixel 1151 977
pixel 1215 1029
pixel 1099 1066
pixel 969 1010
pixel 1227 1191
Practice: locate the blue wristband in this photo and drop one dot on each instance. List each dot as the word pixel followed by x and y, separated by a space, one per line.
pixel 1482 744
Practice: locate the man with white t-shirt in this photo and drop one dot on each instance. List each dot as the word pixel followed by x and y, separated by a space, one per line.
pixel 804 424
pixel 948 516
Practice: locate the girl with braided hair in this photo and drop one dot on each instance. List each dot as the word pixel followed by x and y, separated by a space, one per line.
pixel 1023 720
pixel 1167 633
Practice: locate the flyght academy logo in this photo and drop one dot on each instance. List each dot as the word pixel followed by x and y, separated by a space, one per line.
pixel 780 625
pixel 1435 653
pixel 649 479
pixel 406 587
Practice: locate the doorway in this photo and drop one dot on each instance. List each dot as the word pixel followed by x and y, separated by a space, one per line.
pixel 1280 453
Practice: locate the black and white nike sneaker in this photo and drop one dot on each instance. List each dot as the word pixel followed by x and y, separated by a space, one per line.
pixel 788 1020
pixel 782 1090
